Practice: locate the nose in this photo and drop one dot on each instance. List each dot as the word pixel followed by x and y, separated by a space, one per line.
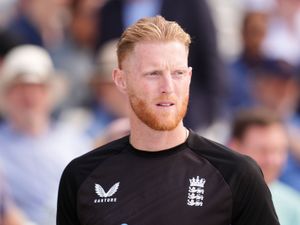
pixel 167 83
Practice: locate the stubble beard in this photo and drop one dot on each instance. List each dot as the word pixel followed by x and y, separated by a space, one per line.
pixel 155 119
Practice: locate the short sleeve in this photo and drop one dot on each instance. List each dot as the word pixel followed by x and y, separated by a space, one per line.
pixel 67 199
pixel 252 200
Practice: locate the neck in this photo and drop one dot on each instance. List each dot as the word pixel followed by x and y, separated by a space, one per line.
pixel 147 139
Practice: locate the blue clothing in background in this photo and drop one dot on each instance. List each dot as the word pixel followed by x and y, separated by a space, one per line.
pixel 134 10
pixel 33 166
pixel 291 173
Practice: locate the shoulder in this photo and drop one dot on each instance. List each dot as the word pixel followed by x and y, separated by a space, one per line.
pixel 80 167
pixel 249 191
pixel 240 172
pixel 228 162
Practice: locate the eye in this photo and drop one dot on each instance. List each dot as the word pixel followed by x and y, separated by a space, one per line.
pixel 153 73
pixel 179 73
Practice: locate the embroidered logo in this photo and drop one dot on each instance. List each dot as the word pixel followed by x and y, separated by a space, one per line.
pixel 196 192
pixel 106 196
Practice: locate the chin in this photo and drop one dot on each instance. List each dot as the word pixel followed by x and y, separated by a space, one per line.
pixel 162 125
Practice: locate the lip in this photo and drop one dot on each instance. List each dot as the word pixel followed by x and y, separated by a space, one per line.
pixel 165 104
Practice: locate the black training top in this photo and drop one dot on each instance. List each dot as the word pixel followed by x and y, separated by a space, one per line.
pixel 197 182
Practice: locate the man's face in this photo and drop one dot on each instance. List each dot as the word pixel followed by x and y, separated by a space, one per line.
pixel 278 94
pixel 267 145
pixel 157 83
pixel 254 32
pixel 27 100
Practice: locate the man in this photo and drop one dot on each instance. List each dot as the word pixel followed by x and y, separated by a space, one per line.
pixel 34 147
pixel 253 32
pixel 162 173
pixel 208 88
pixel 106 103
pixel 261 135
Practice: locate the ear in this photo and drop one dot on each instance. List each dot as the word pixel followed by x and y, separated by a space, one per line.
pixel 190 71
pixel 119 79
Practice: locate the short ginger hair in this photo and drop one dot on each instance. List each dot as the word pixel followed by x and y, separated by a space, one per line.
pixel 150 29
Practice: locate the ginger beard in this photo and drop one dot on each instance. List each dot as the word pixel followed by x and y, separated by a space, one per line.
pixel 155 119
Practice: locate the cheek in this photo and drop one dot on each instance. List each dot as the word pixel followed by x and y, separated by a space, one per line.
pixel 281 158
pixel 13 98
pixel 182 90
pixel 138 88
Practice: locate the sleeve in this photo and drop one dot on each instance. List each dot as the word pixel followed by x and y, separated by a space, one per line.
pixel 252 201
pixel 67 199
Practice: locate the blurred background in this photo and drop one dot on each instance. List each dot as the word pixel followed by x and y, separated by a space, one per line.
pixel 58 100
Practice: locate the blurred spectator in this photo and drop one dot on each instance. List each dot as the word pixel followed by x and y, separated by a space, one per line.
pixel 207 87
pixel 75 55
pixel 228 16
pixel 34 149
pixel 261 135
pixel 254 29
pixel 275 86
pixel 40 22
pixel 283 34
pixel 107 103
pixel 83 25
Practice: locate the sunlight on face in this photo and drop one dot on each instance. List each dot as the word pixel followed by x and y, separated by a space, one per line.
pixel 158 80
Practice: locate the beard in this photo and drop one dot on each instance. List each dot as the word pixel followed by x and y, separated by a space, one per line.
pixel 158 119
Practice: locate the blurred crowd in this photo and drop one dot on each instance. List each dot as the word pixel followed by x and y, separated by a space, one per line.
pixel 58 99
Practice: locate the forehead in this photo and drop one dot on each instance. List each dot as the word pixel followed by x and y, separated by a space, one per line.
pixel 263 134
pixel 158 53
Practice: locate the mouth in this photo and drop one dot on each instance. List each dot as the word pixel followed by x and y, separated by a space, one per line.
pixel 165 104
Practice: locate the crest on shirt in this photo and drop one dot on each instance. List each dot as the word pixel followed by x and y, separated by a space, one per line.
pixel 196 191
pixel 106 196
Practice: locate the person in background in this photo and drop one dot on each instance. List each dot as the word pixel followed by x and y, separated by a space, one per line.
pixel 253 32
pixel 75 56
pixel 162 173
pixel 107 102
pixel 275 85
pixel 34 147
pixel 283 34
pixel 260 134
pixel 39 22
